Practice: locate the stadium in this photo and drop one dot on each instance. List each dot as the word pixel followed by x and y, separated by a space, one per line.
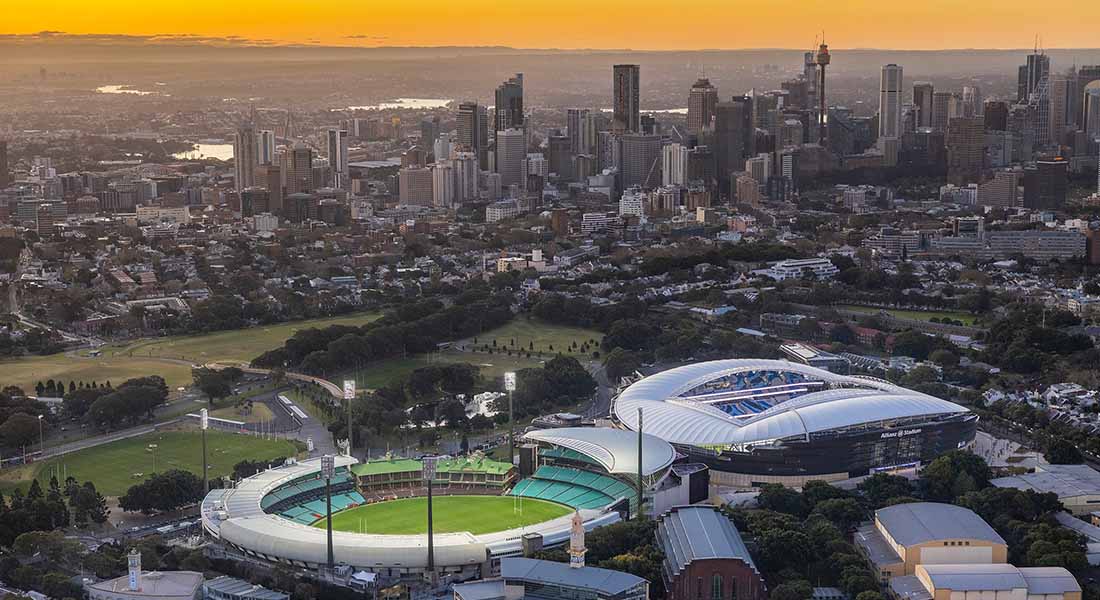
pixel 482 510
pixel 754 421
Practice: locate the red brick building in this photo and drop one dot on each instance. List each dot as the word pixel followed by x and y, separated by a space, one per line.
pixel 705 557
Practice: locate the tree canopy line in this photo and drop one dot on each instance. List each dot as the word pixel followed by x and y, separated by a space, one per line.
pixel 130 403
pixel 413 328
pixel 56 507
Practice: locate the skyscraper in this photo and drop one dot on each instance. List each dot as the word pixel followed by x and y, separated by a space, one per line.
pixel 336 145
pixel 701 101
pixel 733 136
pixel 626 82
pixel 889 102
pixel 511 150
pixel 944 106
pixel 443 185
pixel 922 99
pixel 674 165
pixel 971 101
pixel 965 143
pixel 299 169
pixel 823 59
pixel 640 160
pixel 472 126
pixel 267 147
pixel 582 129
pixel 1034 86
pixel 509 104
pixel 245 147
pixel 1085 75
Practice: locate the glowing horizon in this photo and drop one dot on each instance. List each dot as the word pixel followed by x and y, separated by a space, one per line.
pixel 574 24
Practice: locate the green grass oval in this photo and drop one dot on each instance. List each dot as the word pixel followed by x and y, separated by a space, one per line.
pixel 450 514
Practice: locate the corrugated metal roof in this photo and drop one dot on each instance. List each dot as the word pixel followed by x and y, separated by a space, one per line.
pixel 920 522
pixel 604 581
pixel 691 533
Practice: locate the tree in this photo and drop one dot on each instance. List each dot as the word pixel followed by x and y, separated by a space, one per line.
pixel 212 383
pixel 166 491
pixel 1062 451
pixel 954 474
pixel 19 430
pixel 881 487
pixel 944 358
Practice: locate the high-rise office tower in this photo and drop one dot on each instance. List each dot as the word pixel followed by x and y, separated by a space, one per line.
pixel 823 59
pixel 971 101
pixel 4 173
pixel 996 115
pixel 336 146
pixel 889 102
pixel 465 171
pixel 922 99
pixel 245 147
pixel 674 164
pixel 1034 84
pixel 443 185
pixel 944 107
pixel 582 128
pixel 1046 184
pixel 1085 76
pixel 509 104
pixel 640 160
pixel 299 169
pixel 1090 120
pixel 267 147
pixel 271 177
pixel 733 136
pixel 626 82
pixel 1061 88
pixel 511 150
pixel 701 100
pixel 965 143
pixel 429 131
pixel 472 125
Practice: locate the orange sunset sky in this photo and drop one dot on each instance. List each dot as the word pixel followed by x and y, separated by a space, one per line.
pixel 638 24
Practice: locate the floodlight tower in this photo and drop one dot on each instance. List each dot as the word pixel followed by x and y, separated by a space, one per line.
pixel 328 470
pixel 510 386
pixel 205 419
pixel 427 472
pixel 822 60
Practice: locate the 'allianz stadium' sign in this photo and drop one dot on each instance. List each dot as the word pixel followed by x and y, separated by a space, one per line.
pixel 900 433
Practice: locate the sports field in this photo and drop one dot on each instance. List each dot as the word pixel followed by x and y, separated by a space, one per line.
pixel 450 514
pixel 116 466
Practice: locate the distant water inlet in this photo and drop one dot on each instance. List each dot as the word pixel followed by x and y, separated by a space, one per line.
pixel 407 103
pixel 201 151
pixel 122 89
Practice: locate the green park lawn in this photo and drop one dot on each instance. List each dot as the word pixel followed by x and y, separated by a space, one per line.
pixel 234 346
pixel 116 466
pixel 917 315
pixel 450 514
pixel 523 331
pixel 27 371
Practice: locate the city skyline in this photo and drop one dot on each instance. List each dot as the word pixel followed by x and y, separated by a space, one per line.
pixel 565 24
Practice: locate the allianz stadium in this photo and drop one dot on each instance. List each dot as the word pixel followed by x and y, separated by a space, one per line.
pixel 756 421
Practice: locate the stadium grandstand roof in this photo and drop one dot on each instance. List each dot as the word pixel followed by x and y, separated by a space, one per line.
pixel 921 522
pixel 847 401
pixel 614 449
pixel 445 465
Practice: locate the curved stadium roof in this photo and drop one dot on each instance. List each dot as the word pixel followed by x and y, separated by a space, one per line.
pixel 615 449
pixel 848 401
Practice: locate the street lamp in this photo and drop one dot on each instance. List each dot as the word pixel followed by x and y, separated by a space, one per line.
pixel 510 386
pixel 427 473
pixel 349 395
pixel 328 469
pixel 41 437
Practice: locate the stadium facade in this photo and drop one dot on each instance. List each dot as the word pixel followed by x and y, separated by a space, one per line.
pixel 754 421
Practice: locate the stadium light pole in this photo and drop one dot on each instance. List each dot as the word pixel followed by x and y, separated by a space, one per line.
pixel 640 497
pixel 349 395
pixel 205 418
pixel 328 469
pixel 510 386
pixel 427 472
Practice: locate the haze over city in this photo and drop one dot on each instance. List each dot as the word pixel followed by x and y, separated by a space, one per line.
pixel 628 300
